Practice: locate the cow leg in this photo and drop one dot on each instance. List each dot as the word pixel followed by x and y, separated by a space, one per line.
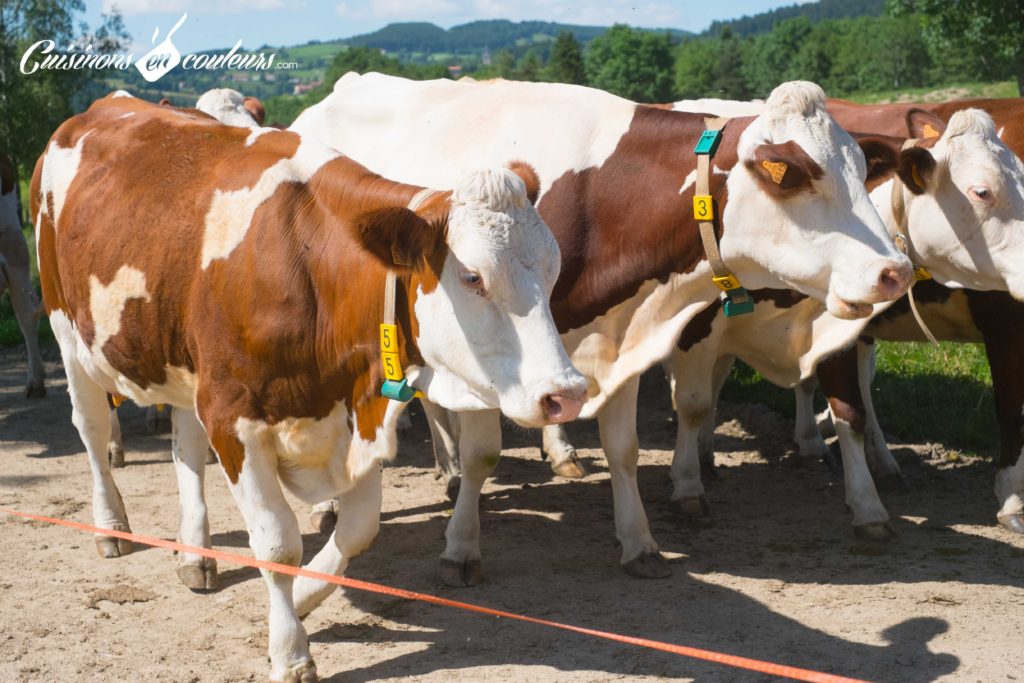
pixel 274 536
pixel 617 426
pixel 838 377
pixel 188 450
pixel 479 450
pixel 25 310
pixel 882 464
pixel 115 447
pixel 158 418
pixel 1010 493
pixel 809 441
pixel 324 516
pixel 706 438
pixel 561 453
pixel 358 511
pixel 90 416
pixel 444 437
pixel 692 397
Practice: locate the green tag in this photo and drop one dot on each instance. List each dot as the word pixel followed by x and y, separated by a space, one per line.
pixel 397 390
pixel 737 302
pixel 708 142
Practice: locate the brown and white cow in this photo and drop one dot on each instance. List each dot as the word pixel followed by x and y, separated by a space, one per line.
pixel 244 284
pixel 15 275
pixel 616 187
pixel 976 251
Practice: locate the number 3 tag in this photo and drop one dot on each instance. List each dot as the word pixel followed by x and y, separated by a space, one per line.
pixel 703 207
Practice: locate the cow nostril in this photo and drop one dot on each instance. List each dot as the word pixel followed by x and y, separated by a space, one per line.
pixel 552 407
pixel 893 280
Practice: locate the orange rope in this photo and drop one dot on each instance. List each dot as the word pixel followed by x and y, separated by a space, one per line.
pixel 696 653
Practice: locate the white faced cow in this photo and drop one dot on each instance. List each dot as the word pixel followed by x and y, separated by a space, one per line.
pixel 616 184
pixel 249 298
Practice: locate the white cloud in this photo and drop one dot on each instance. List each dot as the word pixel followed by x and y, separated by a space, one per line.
pixel 133 7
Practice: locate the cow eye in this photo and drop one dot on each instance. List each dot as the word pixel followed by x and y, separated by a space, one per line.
pixel 980 193
pixel 471 280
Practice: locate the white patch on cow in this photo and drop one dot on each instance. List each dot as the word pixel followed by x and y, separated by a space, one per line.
pixel 716 107
pixel 106 302
pixel 255 134
pixel 125 116
pixel 999 133
pixel 230 213
pixel 60 166
pixel 122 93
pixel 1009 488
pixel 383 104
pixel 691 178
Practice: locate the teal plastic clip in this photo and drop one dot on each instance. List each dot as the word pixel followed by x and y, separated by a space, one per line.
pixel 397 390
pixel 708 142
pixel 737 302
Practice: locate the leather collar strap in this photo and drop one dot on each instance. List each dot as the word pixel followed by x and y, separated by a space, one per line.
pixel 901 238
pixel 396 386
pixel 736 299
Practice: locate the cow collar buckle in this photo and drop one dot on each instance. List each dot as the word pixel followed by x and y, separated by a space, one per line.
pixel 901 238
pixel 396 385
pixel 735 299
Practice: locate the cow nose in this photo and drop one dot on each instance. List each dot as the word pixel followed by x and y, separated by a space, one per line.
pixel 894 281
pixel 562 407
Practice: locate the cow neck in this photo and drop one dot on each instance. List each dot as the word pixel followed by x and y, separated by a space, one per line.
pixel 901 238
pixel 630 221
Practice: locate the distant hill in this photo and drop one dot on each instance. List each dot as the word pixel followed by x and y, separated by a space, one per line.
pixel 822 10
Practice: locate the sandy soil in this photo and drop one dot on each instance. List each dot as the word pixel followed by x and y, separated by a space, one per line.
pixel 776 575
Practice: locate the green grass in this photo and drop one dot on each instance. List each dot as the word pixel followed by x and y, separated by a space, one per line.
pixel 938 94
pixel 921 393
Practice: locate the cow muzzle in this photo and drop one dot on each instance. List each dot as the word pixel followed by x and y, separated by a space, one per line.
pixel 563 406
pixel 891 281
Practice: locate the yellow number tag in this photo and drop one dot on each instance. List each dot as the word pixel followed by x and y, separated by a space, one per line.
pixel 703 208
pixel 921 274
pixel 726 282
pixel 389 338
pixel 392 366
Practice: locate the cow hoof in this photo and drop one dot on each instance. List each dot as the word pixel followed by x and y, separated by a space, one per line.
pixel 648 566
pixel 303 673
pixel 461 574
pixel 452 488
pixel 35 391
pixel 115 456
pixel 892 483
pixel 109 547
pixel 323 521
pixel 694 506
pixel 570 468
pixel 880 532
pixel 197 577
pixel 211 456
pixel 1014 523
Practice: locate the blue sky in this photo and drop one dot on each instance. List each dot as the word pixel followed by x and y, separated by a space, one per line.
pixel 213 24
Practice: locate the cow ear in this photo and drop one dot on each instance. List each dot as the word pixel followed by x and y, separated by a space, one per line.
pixel 255 109
pixel 882 157
pixel 924 124
pixel 397 237
pixel 783 170
pixel 164 102
pixel 916 169
pixel 529 176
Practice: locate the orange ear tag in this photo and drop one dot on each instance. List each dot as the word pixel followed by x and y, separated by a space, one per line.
pixel 930 132
pixel 777 169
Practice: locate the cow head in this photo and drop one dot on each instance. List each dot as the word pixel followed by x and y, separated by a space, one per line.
pixel 966 214
pixel 231 107
pixel 486 331
pixel 798 212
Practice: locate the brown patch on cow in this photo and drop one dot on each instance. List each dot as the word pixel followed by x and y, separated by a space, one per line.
pixel 529 177
pixel 255 109
pixel 916 169
pixel 8 175
pixel 667 106
pixel 699 328
pixel 838 378
pixel 631 205
pixel 924 124
pixel 164 102
pixel 801 169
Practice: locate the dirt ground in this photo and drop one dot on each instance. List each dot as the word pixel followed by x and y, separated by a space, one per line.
pixel 777 574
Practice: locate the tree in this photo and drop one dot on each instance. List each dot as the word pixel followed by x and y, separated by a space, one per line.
pixel 712 68
pixel 566 63
pixel 989 28
pixel 772 55
pixel 633 64
pixel 33 105
pixel 529 67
